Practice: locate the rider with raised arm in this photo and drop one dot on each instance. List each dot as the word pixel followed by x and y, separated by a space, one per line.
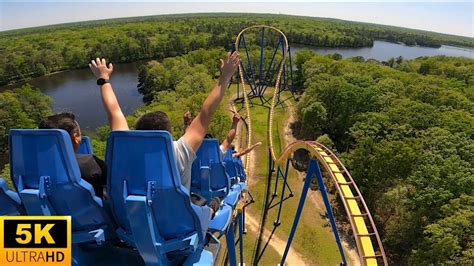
pixel 186 146
pixel 225 145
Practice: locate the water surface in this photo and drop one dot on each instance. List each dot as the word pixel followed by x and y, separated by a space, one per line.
pixel 76 91
pixel 383 51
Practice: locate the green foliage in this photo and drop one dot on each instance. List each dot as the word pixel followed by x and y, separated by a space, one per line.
pixel 5 173
pixel 99 148
pixel 174 105
pixel 38 51
pixel 22 108
pixel 177 85
pixel 326 141
pixel 449 240
pixel 406 135
pixel 461 69
pixel 175 73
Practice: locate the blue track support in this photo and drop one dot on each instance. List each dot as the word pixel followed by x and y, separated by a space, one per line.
pixel 313 166
pixel 243 220
pixel 229 237
pixel 289 188
pixel 263 85
pixel 262 44
pixel 250 65
pixel 241 237
pixel 246 76
pixel 284 76
pixel 282 88
pixel 287 185
pixel 291 70
pixel 322 188
pixel 276 182
pixel 285 176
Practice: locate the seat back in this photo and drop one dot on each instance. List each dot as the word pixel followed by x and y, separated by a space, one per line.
pixel 238 165
pixel 209 155
pixel 45 172
pixel 209 152
pixel 143 163
pixel 231 170
pixel 230 165
pixel 86 146
pixel 10 203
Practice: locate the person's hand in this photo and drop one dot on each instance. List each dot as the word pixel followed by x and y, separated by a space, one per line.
pixel 100 68
pixel 229 65
pixel 236 118
pixel 187 117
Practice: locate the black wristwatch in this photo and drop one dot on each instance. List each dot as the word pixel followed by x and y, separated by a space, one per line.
pixel 102 81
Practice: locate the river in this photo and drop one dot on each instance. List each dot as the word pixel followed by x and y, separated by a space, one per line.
pixel 75 91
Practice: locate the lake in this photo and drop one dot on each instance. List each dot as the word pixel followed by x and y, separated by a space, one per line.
pixel 383 51
pixel 76 91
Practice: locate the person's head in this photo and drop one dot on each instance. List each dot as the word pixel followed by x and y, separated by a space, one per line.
pixel 65 121
pixel 208 136
pixel 154 121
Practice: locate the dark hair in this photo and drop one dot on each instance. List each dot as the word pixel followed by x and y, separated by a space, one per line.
pixel 65 121
pixel 208 136
pixel 154 121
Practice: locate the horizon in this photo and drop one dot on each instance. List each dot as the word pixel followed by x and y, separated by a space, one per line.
pixel 89 12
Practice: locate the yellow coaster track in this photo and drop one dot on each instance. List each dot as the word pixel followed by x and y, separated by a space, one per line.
pixel 368 242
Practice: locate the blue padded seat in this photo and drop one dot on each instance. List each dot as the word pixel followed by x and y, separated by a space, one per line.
pixel 47 177
pixel 86 146
pixel 10 203
pixel 208 175
pixel 235 170
pixel 153 209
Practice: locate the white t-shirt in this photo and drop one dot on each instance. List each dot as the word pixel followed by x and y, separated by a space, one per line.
pixel 222 152
pixel 184 159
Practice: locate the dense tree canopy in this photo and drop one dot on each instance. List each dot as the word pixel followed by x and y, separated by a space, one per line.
pixel 22 108
pixel 406 132
pixel 38 51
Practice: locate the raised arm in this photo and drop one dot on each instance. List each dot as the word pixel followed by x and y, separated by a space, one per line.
pixel 100 69
pixel 232 132
pixel 247 150
pixel 198 128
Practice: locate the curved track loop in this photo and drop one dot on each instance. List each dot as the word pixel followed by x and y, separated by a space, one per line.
pixel 354 204
pixel 359 216
pixel 275 93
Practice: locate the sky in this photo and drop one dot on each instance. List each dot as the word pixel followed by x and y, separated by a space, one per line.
pixel 440 16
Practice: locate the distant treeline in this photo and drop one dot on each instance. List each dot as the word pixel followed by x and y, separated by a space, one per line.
pixel 39 51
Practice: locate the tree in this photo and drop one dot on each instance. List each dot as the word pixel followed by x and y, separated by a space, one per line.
pixel 450 240
pixel 22 108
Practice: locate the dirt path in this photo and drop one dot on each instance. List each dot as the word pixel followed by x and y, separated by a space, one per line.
pixel 252 224
pixel 293 257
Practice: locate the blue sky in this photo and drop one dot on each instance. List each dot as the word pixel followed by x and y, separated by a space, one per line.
pixel 439 16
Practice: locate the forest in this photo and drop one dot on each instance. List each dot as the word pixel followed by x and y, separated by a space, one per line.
pixel 404 128
pixel 39 51
pixel 406 132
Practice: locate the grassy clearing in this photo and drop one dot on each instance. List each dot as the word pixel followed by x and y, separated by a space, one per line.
pixel 313 239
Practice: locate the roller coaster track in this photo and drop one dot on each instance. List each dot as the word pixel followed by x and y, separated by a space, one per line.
pixel 367 239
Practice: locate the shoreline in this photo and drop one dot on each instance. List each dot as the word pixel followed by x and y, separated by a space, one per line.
pixel 6 86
